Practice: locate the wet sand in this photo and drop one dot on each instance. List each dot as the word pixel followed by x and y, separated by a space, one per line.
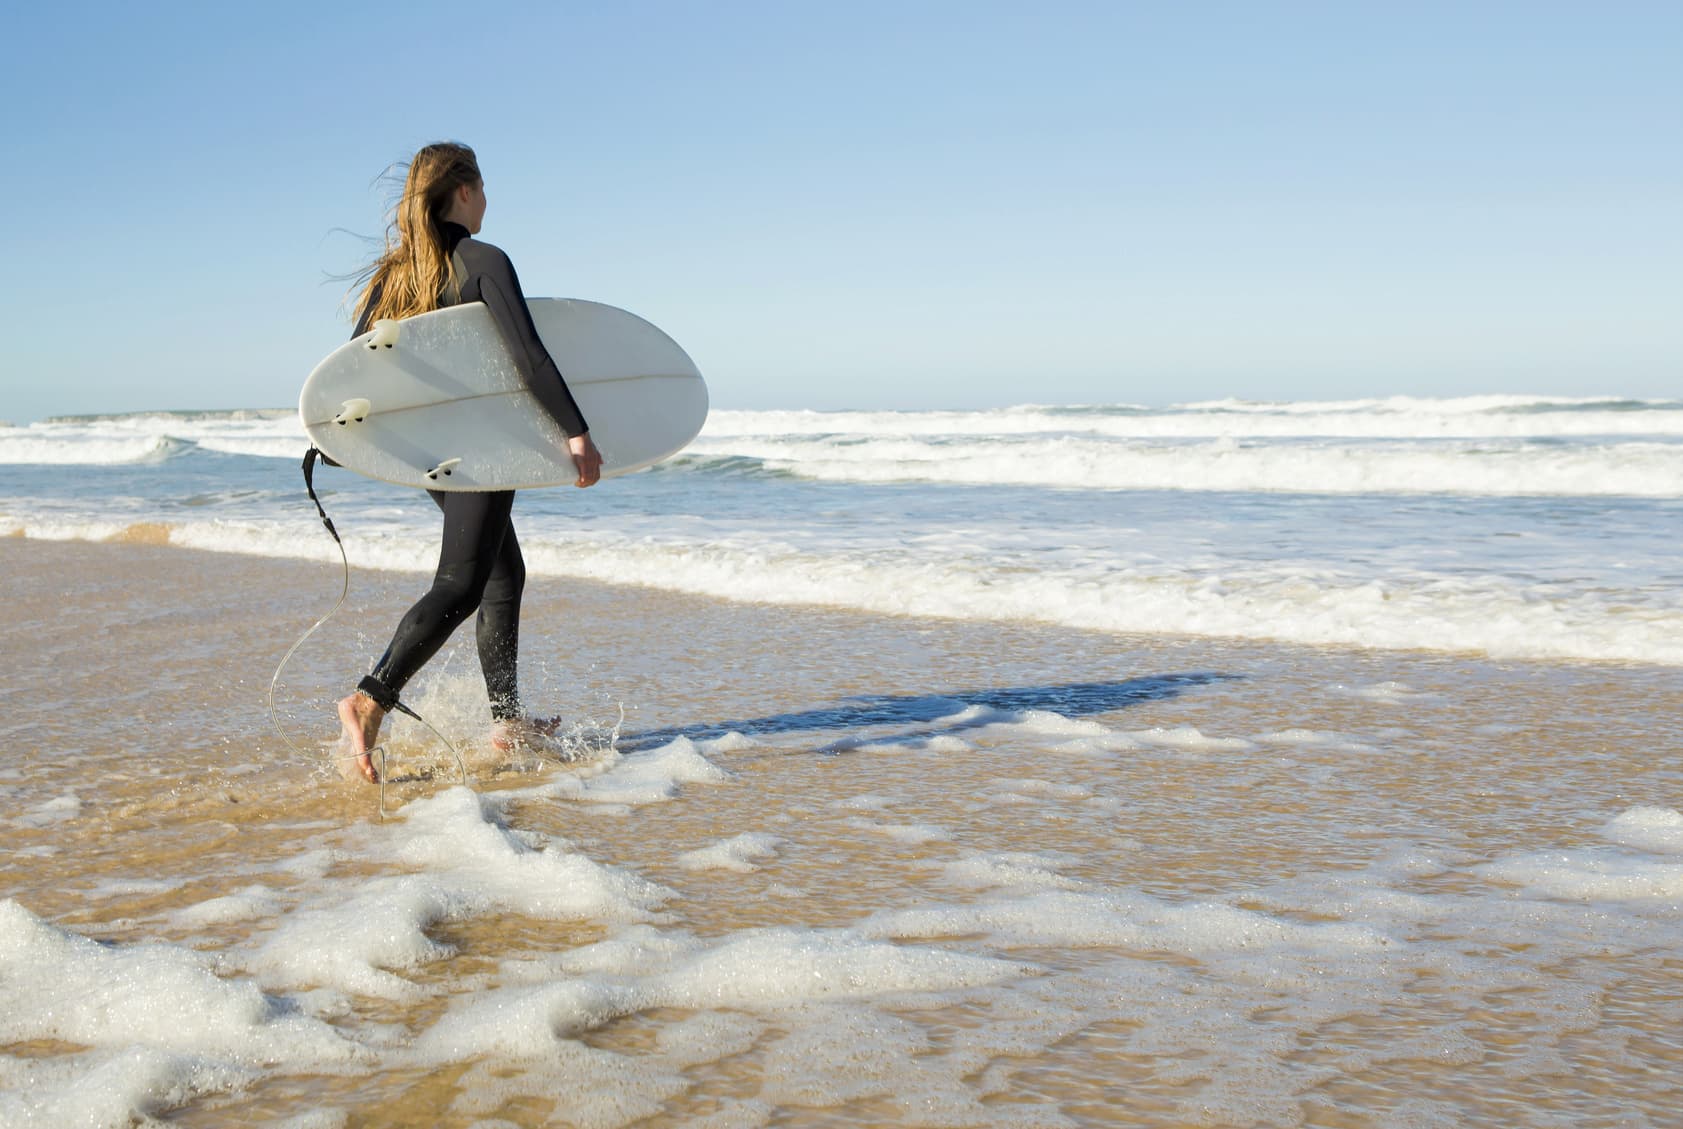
pixel 142 777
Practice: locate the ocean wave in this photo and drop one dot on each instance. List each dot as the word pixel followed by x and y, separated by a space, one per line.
pixel 25 449
pixel 994 438
pixel 1472 417
pixel 1426 405
pixel 722 466
pixel 257 447
pixel 187 416
pixel 1493 615
pixel 150 436
pixel 1488 615
pixel 1491 468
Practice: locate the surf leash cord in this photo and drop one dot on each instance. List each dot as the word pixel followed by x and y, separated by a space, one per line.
pixel 379 751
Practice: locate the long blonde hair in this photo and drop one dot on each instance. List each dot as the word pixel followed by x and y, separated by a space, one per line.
pixel 412 272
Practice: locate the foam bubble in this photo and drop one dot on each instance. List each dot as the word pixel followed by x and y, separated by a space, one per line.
pixel 1047 789
pixel 59 985
pixel 1315 739
pixel 841 1053
pixel 1011 869
pixel 1112 918
pixel 912 834
pixel 598 1089
pixel 749 969
pixel 1187 738
pixel 739 854
pixel 1384 692
pixel 352 940
pixel 109 1089
pixel 732 742
pixel 315 1119
pixel 708 1036
pixel 787 965
pixel 1049 724
pixel 1647 828
pixel 254 902
pixel 524 1023
pixel 644 777
pixel 1585 875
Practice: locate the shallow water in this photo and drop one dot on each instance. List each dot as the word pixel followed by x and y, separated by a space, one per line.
pixel 841 869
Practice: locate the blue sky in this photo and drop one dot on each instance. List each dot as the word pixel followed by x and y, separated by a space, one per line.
pixel 896 205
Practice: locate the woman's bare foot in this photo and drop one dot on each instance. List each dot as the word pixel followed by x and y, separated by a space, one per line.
pixel 523 733
pixel 360 716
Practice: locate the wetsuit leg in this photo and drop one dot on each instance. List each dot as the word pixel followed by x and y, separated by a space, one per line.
pixel 499 630
pixel 475 526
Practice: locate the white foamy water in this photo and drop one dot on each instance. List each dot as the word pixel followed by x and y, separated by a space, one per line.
pixel 1479 467
pixel 1499 445
pixel 1516 527
pixel 1484 445
pixel 1420 979
pixel 1398 417
pixel 149 437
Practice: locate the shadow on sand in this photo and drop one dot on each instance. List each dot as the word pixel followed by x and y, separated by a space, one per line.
pixel 1072 699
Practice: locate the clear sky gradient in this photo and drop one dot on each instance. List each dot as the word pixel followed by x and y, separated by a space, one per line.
pixel 895 205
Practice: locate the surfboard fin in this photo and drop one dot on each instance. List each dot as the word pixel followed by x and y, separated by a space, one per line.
pixel 353 411
pixel 383 333
pixel 444 468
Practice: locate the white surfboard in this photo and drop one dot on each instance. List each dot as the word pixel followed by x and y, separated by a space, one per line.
pixel 435 400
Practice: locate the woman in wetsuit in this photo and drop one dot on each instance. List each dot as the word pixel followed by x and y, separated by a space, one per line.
pixel 432 261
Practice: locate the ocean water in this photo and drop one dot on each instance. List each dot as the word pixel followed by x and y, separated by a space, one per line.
pixel 1516 527
pixel 1220 765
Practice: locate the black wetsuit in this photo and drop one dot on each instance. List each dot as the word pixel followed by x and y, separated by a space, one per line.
pixel 479 563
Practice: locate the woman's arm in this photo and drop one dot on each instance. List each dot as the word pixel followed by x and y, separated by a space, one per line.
pixel 499 288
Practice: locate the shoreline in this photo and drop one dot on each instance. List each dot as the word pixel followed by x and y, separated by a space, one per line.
pixel 163 646
pixel 158 535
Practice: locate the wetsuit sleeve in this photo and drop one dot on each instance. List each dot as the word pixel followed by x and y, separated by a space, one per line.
pixel 499 289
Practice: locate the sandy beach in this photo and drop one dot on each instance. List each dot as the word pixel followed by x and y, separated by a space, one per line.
pixel 1134 579
pixel 842 869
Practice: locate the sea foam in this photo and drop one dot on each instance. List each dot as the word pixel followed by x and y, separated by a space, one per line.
pixel 1517 527
pixel 361 937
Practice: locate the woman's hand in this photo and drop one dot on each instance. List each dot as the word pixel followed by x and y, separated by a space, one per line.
pixel 587 460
